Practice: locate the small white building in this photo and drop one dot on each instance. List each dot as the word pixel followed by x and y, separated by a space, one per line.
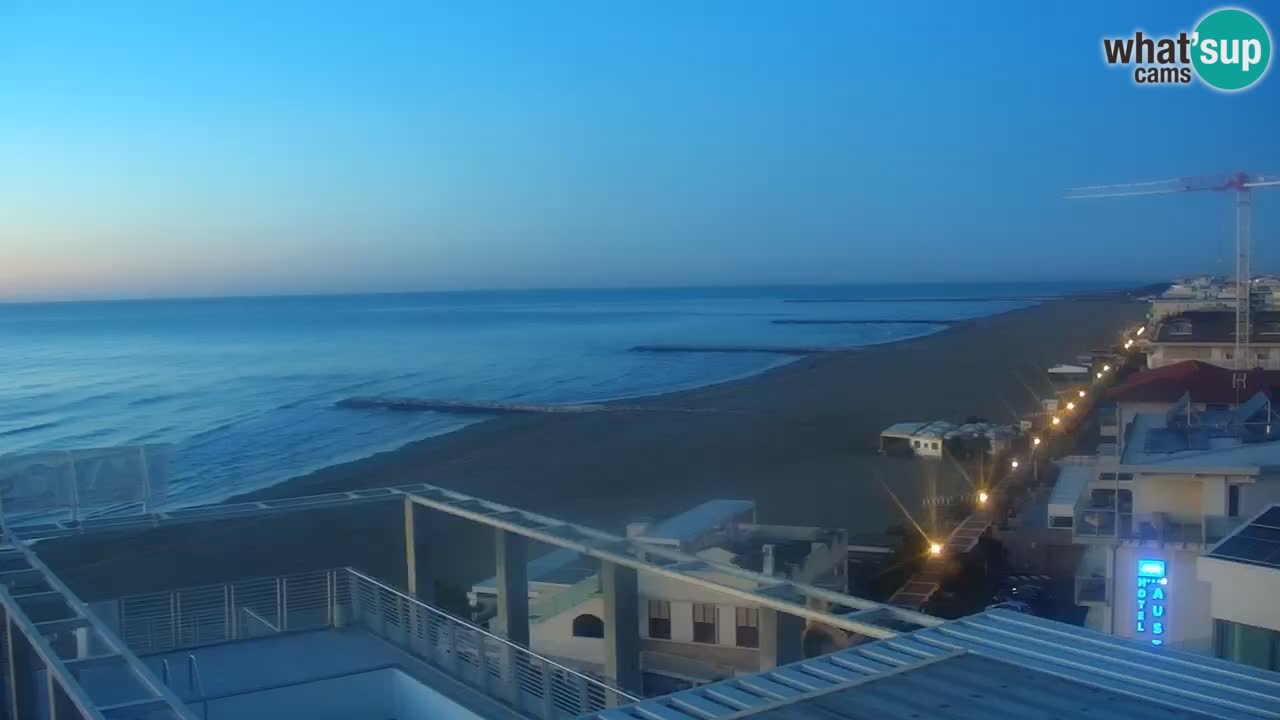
pixel 929 439
pixel 918 438
pixel 689 634
pixel 1065 374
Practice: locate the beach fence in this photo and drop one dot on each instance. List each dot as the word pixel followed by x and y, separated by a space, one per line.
pixel 345 598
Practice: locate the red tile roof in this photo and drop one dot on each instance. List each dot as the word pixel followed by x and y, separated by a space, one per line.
pixel 1206 383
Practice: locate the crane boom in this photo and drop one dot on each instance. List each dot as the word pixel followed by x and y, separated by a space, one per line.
pixel 1240 183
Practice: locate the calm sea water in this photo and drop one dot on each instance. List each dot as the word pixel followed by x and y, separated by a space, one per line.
pixel 244 389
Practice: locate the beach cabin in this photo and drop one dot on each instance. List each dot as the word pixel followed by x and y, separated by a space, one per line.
pixel 915 438
pixel 1066 374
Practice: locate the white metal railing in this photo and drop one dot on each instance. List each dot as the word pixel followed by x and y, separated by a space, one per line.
pixel 526 681
pixel 191 617
pixel 195 616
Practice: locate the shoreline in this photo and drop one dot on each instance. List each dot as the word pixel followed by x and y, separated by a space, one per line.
pixel 799 438
pixel 366 471
pixel 781 362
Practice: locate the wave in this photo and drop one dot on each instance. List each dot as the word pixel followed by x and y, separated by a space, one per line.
pixel 29 428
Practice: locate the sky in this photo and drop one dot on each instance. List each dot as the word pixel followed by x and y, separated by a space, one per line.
pixel 177 149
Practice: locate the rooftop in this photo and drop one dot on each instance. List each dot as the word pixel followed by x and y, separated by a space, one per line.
pixel 1206 383
pixel 1149 443
pixel 1217 326
pixel 1256 542
pixel 697 521
pixel 997 664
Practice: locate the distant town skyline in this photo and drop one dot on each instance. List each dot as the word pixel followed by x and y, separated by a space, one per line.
pixel 294 149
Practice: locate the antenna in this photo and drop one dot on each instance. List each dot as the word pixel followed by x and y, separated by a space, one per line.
pixel 1243 185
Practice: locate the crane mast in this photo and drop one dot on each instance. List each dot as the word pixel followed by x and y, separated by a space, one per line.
pixel 1243 285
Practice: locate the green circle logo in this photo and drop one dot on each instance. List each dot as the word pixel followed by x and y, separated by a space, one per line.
pixel 1232 49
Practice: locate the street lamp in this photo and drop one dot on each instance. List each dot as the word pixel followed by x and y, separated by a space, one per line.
pixel 1014 464
pixel 1082 394
pixel 1056 420
pixel 935 548
pixel 1099 376
pixel 1106 368
pixel 1140 329
pixel 1035 441
pixel 1071 406
pixel 982 498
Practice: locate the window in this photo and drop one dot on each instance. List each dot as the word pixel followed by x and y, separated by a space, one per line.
pixel 935 446
pixel 1180 328
pixel 1060 521
pixel 1246 644
pixel 660 619
pixel 704 623
pixel 1269 329
pixel 588 626
pixel 1233 501
pixel 917 443
pixel 748 624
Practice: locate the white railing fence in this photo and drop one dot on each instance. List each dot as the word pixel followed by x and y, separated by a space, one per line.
pixel 192 617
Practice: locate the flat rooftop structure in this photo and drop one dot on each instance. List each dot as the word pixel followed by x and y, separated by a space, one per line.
pixel 698 521
pixel 997 664
pixel 1150 441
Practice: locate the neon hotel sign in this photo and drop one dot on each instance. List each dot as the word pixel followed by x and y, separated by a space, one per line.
pixel 1153 594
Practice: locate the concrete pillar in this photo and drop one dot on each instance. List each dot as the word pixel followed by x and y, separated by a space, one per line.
pixel 621 626
pixel 512 553
pixel 781 638
pixel 420 575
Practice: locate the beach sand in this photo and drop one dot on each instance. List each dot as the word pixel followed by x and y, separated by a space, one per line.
pixel 801 440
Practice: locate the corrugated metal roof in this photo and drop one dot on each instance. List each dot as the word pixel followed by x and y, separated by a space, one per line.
pixel 995 664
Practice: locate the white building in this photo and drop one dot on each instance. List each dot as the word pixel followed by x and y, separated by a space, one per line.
pixel 930 439
pixel 1181 481
pixel 1209 336
pixel 688 633
pixel 1243 573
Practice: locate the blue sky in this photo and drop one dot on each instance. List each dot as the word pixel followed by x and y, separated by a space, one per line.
pixel 248 148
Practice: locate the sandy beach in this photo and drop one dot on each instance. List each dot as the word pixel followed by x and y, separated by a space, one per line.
pixel 800 440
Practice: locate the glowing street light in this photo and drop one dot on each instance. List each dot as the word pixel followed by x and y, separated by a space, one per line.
pixel 1140 329
pixel 1106 368
pixel 1082 393
pixel 1035 441
pixel 1071 406
pixel 1099 376
pixel 982 498
pixel 935 548
pixel 1056 420
pixel 1014 464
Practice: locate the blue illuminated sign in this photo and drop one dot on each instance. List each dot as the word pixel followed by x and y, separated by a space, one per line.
pixel 1153 593
pixel 1151 568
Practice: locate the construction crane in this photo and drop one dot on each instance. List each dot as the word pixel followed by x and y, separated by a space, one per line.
pixel 1243 185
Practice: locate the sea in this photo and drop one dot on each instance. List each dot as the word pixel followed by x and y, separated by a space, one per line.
pixel 242 391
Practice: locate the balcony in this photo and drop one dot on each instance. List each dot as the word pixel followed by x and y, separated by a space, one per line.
pixel 1119 525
